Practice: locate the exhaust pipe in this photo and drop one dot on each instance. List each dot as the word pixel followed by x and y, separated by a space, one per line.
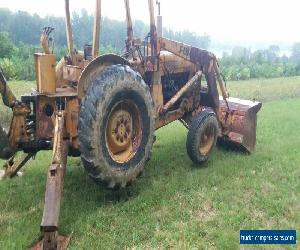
pixel 5 150
pixel 159 22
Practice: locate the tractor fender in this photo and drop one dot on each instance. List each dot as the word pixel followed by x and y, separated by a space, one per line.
pixel 95 67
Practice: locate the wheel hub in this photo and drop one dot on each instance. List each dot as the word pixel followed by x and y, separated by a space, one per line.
pixel 207 140
pixel 120 129
pixel 123 131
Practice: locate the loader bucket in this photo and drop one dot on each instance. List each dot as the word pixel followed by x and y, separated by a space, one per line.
pixel 5 150
pixel 239 123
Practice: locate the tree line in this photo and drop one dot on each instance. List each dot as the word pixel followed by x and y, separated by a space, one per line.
pixel 242 64
pixel 20 33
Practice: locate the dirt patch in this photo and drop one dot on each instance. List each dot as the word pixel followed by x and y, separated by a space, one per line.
pixel 161 213
pixel 206 213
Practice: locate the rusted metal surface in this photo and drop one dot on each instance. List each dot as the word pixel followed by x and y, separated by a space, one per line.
pixel 186 105
pixel 17 130
pixel 54 190
pixel 45 117
pixel 156 90
pixel 72 111
pixel 239 124
pixel 72 73
pixel 94 68
pixel 221 83
pixel 202 59
pixel 45 39
pixel 187 87
pixel 169 117
pixel 62 242
pixel 5 150
pixel 55 177
pixel 12 167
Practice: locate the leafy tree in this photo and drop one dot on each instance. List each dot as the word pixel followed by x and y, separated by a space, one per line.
pixel 295 52
pixel 273 53
pixel 6 46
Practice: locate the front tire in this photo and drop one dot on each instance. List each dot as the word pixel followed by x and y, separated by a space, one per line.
pixel 116 127
pixel 202 136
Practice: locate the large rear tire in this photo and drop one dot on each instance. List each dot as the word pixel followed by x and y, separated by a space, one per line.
pixel 116 127
pixel 202 137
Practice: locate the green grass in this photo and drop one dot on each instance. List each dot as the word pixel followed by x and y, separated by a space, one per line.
pixel 266 90
pixel 19 88
pixel 176 204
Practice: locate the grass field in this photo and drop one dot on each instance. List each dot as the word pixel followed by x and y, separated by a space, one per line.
pixel 176 204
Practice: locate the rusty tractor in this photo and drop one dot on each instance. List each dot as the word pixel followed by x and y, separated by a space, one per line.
pixel 106 109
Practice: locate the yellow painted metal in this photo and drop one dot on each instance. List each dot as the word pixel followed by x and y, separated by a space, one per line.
pixel 119 130
pixel 71 73
pixel 7 96
pixel 123 131
pixel 156 90
pixel 45 73
pixel 69 27
pixel 206 141
pixel 18 125
pixel 94 68
pixel 96 33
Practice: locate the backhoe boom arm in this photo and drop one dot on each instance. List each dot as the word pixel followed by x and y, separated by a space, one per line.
pixel 8 97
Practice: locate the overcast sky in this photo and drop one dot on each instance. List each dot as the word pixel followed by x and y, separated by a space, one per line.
pixel 235 20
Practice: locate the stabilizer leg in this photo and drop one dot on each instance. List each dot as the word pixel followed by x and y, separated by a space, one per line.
pixel 12 167
pixel 54 191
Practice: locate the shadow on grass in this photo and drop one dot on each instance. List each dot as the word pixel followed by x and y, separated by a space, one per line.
pixel 230 146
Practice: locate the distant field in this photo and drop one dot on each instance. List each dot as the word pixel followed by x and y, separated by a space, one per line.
pixel 266 90
pixel 176 204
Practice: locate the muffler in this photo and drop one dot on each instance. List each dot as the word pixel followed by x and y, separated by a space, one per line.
pixel 239 122
pixel 5 150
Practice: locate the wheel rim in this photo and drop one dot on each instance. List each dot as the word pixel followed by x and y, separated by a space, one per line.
pixel 207 140
pixel 123 131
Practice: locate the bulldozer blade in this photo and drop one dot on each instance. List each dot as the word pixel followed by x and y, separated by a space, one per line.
pixel 239 121
pixel 5 150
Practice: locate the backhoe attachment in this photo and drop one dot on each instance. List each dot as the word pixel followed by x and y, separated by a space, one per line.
pixel 8 97
pixel 5 150
pixel 9 100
